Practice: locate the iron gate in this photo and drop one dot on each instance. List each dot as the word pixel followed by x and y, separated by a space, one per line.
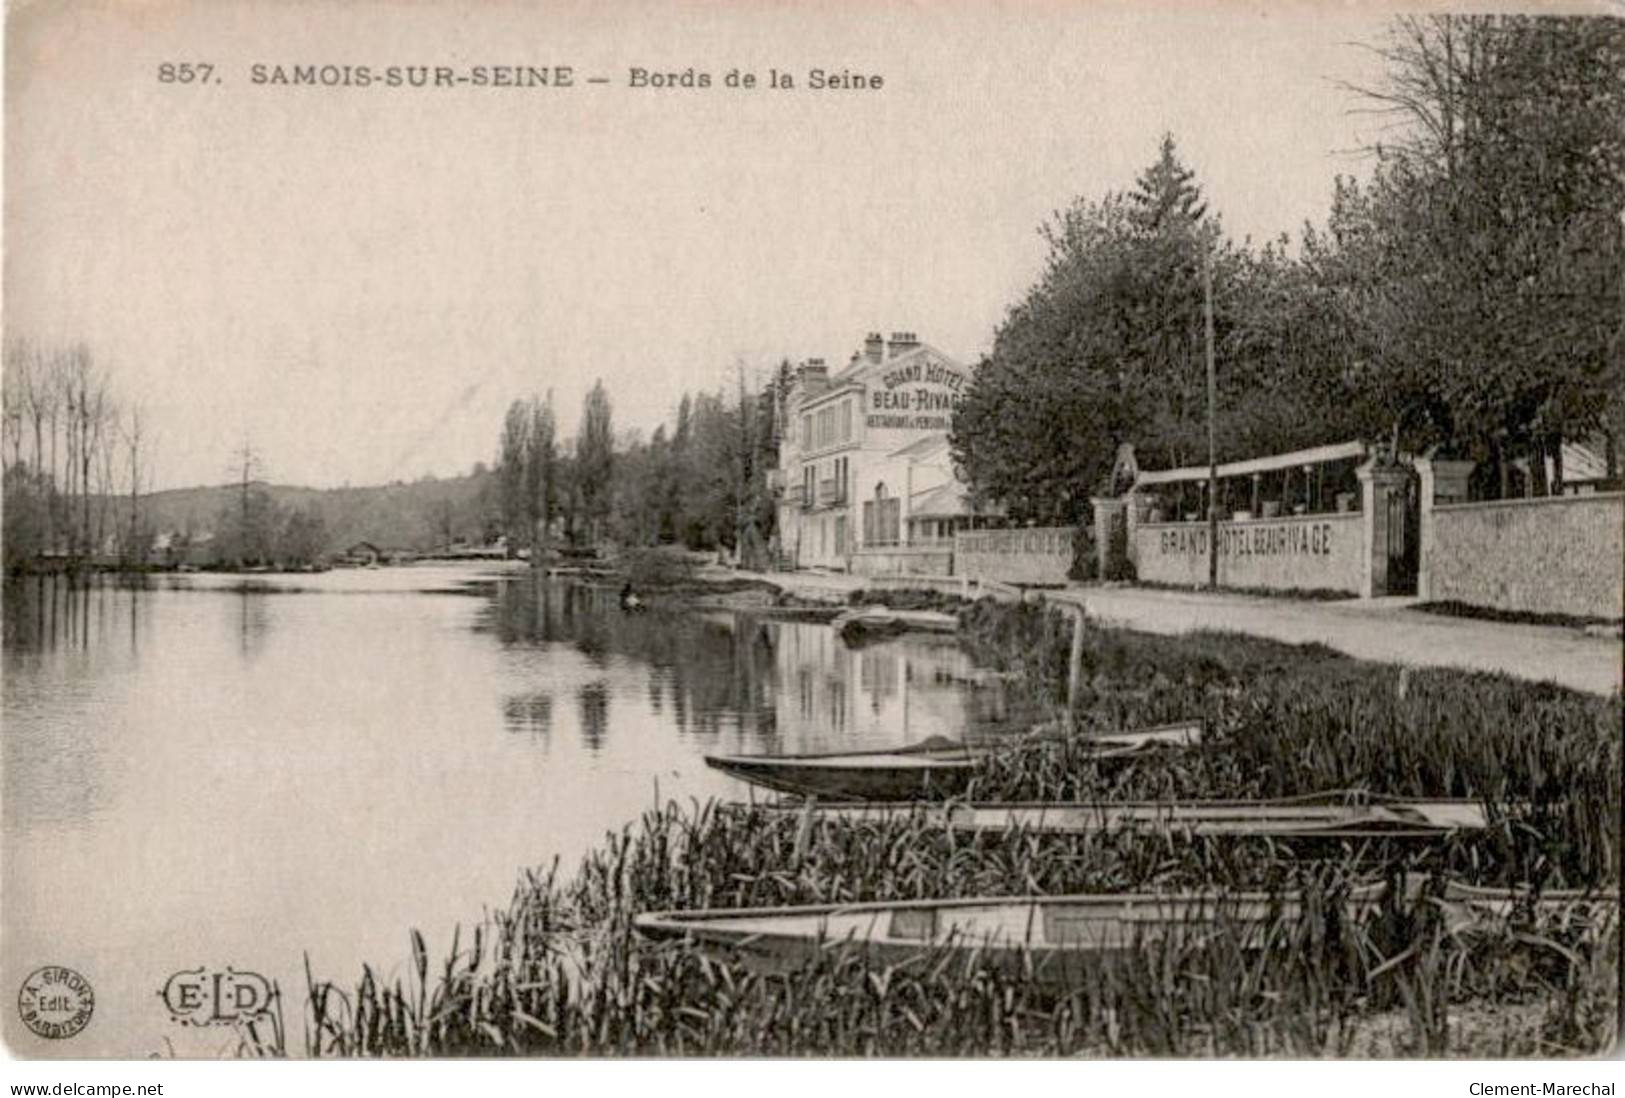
pixel 1404 536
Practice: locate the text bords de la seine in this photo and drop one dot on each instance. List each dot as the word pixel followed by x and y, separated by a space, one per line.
pixel 527 77
pixel 1518 1090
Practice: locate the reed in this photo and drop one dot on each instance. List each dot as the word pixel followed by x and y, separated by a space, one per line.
pixel 560 971
pixel 1286 720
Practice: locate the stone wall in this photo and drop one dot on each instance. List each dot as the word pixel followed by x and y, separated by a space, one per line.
pixel 903 560
pixel 1555 555
pixel 1302 553
pixel 946 585
pixel 1040 554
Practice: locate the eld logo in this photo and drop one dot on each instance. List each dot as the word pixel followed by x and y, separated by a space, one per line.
pixel 199 997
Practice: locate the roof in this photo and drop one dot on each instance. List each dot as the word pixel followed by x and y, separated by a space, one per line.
pixel 1318 455
pixel 852 369
pixel 837 387
pixel 855 374
pixel 1581 461
pixel 922 447
pixel 950 500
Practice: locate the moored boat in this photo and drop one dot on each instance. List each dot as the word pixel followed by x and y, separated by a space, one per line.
pixel 880 621
pixel 1321 816
pixel 1053 939
pixel 935 768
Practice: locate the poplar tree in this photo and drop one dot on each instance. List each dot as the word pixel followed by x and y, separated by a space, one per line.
pixel 595 459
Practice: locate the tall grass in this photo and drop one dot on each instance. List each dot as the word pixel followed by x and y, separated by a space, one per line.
pixel 561 971
pixel 1285 720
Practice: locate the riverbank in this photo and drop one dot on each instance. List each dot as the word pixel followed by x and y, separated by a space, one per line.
pixel 1389 630
pixel 675 581
pixel 561 972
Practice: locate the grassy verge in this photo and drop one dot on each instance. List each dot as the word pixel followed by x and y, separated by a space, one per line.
pixel 1515 617
pixel 907 598
pixel 1296 594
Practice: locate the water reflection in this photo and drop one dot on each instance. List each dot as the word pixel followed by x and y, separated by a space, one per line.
pixel 316 763
pixel 531 712
pixel 593 699
pixel 252 621
pixel 711 671
pixel 764 683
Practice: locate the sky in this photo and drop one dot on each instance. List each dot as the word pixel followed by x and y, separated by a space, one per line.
pixel 357 282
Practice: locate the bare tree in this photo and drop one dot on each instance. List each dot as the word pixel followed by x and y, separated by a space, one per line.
pixel 134 435
pixel 90 408
pixel 16 381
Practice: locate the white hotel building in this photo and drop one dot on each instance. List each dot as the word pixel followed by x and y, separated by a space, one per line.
pixel 868 482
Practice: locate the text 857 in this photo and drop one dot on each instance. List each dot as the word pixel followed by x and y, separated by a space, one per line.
pixel 186 72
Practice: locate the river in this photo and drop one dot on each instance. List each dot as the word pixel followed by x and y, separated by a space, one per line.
pixel 215 771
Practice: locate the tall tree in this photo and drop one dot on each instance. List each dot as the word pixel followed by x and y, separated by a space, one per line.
pixel 541 475
pixel 1496 252
pixel 1166 195
pixel 1104 349
pixel 304 539
pixel 513 465
pixel 595 458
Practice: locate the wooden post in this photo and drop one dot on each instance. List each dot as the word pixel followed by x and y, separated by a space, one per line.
pixel 1212 413
pixel 1074 673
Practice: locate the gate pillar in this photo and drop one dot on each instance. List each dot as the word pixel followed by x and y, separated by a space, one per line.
pixel 1380 482
pixel 1111 540
pixel 1442 482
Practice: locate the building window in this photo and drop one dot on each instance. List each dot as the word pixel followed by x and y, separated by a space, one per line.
pixel 846 421
pixel 806 432
pixel 826 427
pixel 840 535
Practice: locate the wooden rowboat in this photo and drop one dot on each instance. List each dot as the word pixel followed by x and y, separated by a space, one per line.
pixel 880 622
pixel 935 768
pixel 1322 816
pixel 1052 939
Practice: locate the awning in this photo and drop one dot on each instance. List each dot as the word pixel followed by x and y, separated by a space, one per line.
pixel 945 502
pixel 1583 462
pixel 1318 455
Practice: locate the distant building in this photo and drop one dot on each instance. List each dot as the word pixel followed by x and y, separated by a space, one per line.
pixel 1585 468
pixel 363 552
pixel 867 479
pixel 176 549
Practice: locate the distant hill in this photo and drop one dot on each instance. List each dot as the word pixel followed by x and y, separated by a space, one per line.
pixel 419 515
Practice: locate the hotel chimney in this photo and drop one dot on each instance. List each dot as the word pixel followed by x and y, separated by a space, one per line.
pixel 901 344
pixel 814 377
pixel 874 348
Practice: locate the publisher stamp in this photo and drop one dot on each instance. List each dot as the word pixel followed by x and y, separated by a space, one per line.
pixel 56 1002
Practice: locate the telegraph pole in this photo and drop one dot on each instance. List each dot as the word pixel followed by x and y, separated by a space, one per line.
pixel 1212 406
pixel 248 461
